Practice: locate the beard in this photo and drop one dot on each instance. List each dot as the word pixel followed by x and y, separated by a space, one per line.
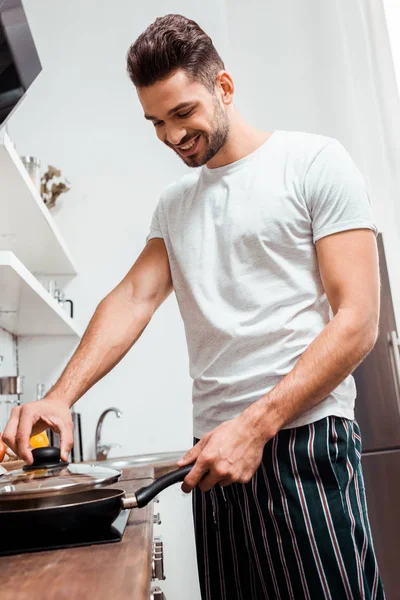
pixel 214 141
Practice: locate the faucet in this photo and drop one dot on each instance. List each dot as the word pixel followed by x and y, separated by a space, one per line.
pixel 102 450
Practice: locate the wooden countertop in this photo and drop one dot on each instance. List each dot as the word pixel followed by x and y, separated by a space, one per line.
pixel 116 571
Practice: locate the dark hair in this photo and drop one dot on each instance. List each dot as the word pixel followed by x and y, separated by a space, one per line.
pixel 170 43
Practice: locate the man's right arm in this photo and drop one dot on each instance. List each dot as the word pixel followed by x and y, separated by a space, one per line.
pixel 118 322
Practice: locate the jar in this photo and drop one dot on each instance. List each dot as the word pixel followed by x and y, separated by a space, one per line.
pixel 32 165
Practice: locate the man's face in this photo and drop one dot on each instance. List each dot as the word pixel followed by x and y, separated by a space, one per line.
pixel 187 117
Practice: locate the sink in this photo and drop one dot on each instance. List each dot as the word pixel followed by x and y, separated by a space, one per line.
pixel 158 459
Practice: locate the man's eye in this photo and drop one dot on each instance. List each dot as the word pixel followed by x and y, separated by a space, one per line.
pixel 184 115
pixel 157 123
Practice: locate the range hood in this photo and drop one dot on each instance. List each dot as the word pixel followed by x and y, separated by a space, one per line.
pixel 19 60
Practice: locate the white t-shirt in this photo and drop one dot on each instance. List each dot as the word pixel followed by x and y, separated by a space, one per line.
pixel 240 241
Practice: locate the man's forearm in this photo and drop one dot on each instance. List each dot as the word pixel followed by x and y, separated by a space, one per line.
pixel 115 326
pixel 331 357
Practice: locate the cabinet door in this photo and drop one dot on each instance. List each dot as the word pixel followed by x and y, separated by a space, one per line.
pixel 377 381
pixel 382 485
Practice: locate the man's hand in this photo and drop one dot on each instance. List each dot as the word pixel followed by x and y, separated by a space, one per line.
pixel 33 418
pixel 232 452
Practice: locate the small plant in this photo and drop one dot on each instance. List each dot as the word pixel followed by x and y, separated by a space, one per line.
pixel 52 186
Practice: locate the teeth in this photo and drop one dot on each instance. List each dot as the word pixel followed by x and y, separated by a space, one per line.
pixel 189 145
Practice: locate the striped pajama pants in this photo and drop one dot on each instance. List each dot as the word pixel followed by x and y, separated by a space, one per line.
pixel 298 530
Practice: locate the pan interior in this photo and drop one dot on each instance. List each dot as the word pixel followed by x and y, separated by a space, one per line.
pixel 63 501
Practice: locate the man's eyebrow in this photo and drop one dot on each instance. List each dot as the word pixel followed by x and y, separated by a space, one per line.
pixel 172 111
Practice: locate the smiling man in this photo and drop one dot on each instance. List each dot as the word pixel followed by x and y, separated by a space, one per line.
pixel 270 249
pixel 206 123
pixel 199 147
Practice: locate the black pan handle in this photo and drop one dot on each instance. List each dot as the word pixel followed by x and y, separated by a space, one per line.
pixel 145 494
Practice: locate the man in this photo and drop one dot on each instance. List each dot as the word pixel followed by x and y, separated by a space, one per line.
pixel 259 245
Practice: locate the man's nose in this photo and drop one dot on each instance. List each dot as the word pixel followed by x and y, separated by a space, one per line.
pixel 174 134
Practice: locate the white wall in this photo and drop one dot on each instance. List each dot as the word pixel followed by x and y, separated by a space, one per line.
pixel 7 352
pixel 8 367
pixel 296 65
pixel 392 14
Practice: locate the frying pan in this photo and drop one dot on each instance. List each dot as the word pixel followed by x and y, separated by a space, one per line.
pixel 95 508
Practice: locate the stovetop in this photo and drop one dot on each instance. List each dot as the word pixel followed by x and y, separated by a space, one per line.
pixel 39 541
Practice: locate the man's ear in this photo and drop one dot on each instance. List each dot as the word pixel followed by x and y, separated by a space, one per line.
pixel 225 86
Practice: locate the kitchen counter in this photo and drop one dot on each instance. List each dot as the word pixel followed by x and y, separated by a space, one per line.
pixel 116 571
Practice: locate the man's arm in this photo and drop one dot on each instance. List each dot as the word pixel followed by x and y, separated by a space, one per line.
pixel 348 263
pixel 116 325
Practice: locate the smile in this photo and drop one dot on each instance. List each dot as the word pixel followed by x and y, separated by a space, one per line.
pixel 190 147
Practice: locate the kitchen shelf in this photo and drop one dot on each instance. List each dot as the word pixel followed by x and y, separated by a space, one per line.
pixel 26 225
pixel 26 308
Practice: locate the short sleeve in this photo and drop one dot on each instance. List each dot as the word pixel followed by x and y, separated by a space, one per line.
pixel 155 225
pixel 336 193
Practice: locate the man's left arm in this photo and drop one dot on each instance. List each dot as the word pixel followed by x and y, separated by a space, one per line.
pixel 348 264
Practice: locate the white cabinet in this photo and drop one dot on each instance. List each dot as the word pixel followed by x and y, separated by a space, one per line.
pixel 26 308
pixel 30 246
pixel 26 225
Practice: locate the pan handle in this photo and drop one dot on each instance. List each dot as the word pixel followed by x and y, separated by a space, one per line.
pixel 145 494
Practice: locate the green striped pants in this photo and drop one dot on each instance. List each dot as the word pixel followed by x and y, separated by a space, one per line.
pixel 298 530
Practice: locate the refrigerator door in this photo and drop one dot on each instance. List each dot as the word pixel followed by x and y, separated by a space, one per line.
pixel 382 485
pixel 377 378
